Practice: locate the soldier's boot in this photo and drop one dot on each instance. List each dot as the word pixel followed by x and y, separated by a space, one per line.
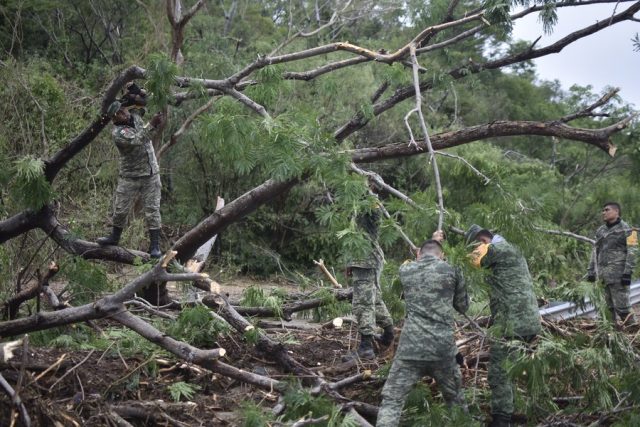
pixel 154 243
pixel 365 349
pixel 386 339
pixel 111 239
pixel 500 420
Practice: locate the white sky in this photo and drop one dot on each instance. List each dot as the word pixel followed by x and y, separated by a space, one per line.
pixel 603 59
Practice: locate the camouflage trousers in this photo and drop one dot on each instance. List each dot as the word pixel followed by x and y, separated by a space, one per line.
pixel 368 306
pixel 148 187
pixel 499 382
pixel 404 374
pixel 617 297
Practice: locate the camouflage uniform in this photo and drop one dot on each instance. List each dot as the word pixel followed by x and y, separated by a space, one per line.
pixel 614 256
pixel 432 289
pixel 514 312
pixel 138 174
pixel 368 306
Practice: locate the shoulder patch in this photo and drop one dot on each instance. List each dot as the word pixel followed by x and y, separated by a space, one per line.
pixel 632 239
pixel 479 253
pixel 127 132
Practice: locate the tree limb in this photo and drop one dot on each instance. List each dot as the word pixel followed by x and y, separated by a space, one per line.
pixel 425 132
pixel 500 128
pixel 567 234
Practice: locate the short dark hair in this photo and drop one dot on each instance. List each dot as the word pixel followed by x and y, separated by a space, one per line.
pixel 430 245
pixel 615 205
pixel 484 233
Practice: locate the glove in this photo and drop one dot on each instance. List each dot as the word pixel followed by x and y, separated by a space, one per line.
pixel 625 280
pixel 591 278
pixel 460 359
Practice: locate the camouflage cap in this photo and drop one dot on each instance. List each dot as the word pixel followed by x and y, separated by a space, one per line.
pixel 472 233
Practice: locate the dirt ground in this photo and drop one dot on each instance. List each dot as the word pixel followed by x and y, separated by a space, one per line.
pixel 84 385
pixel 80 388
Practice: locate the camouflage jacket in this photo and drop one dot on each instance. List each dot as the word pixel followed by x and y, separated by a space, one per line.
pixel 514 308
pixel 615 252
pixel 373 257
pixel 432 290
pixel 137 157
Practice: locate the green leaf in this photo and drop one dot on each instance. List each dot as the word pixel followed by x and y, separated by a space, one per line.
pixel 181 390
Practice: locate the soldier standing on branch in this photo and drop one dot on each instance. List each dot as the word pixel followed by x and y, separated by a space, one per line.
pixel 367 303
pixel 613 260
pixel 432 290
pixel 138 168
pixel 514 312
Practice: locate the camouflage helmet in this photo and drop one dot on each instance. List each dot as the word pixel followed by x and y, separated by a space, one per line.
pixel 472 233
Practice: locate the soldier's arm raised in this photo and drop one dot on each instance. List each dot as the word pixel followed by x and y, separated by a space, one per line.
pixel 461 297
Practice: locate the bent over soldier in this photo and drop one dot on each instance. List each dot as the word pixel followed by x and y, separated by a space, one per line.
pixel 613 260
pixel 138 175
pixel 514 312
pixel 367 304
pixel 432 290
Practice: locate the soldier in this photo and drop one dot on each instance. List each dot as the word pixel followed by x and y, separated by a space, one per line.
pixel 368 306
pixel 138 171
pixel 432 289
pixel 613 260
pixel 514 312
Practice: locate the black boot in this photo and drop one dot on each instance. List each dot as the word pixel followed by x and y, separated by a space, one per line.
pixel 365 349
pixel 154 243
pixel 386 339
pixel 111 239
pixel 500 420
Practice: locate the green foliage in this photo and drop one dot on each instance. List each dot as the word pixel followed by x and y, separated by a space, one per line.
pixel 30 185
pixel 162 73
pixel 300 403
pixel 181 390
pixel 87 280
pixel 252 336
pixel 254 296
pixel 197 326
pixel 331 307
pixel 254 416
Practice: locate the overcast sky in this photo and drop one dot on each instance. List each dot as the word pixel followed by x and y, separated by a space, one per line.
pixel 603 59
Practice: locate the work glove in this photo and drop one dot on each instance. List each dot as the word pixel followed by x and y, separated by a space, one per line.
pixel 591 278
pixel 625 280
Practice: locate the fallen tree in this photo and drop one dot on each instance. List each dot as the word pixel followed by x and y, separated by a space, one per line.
pixel 113 307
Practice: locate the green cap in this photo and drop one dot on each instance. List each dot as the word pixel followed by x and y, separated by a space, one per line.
pixel 472 233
